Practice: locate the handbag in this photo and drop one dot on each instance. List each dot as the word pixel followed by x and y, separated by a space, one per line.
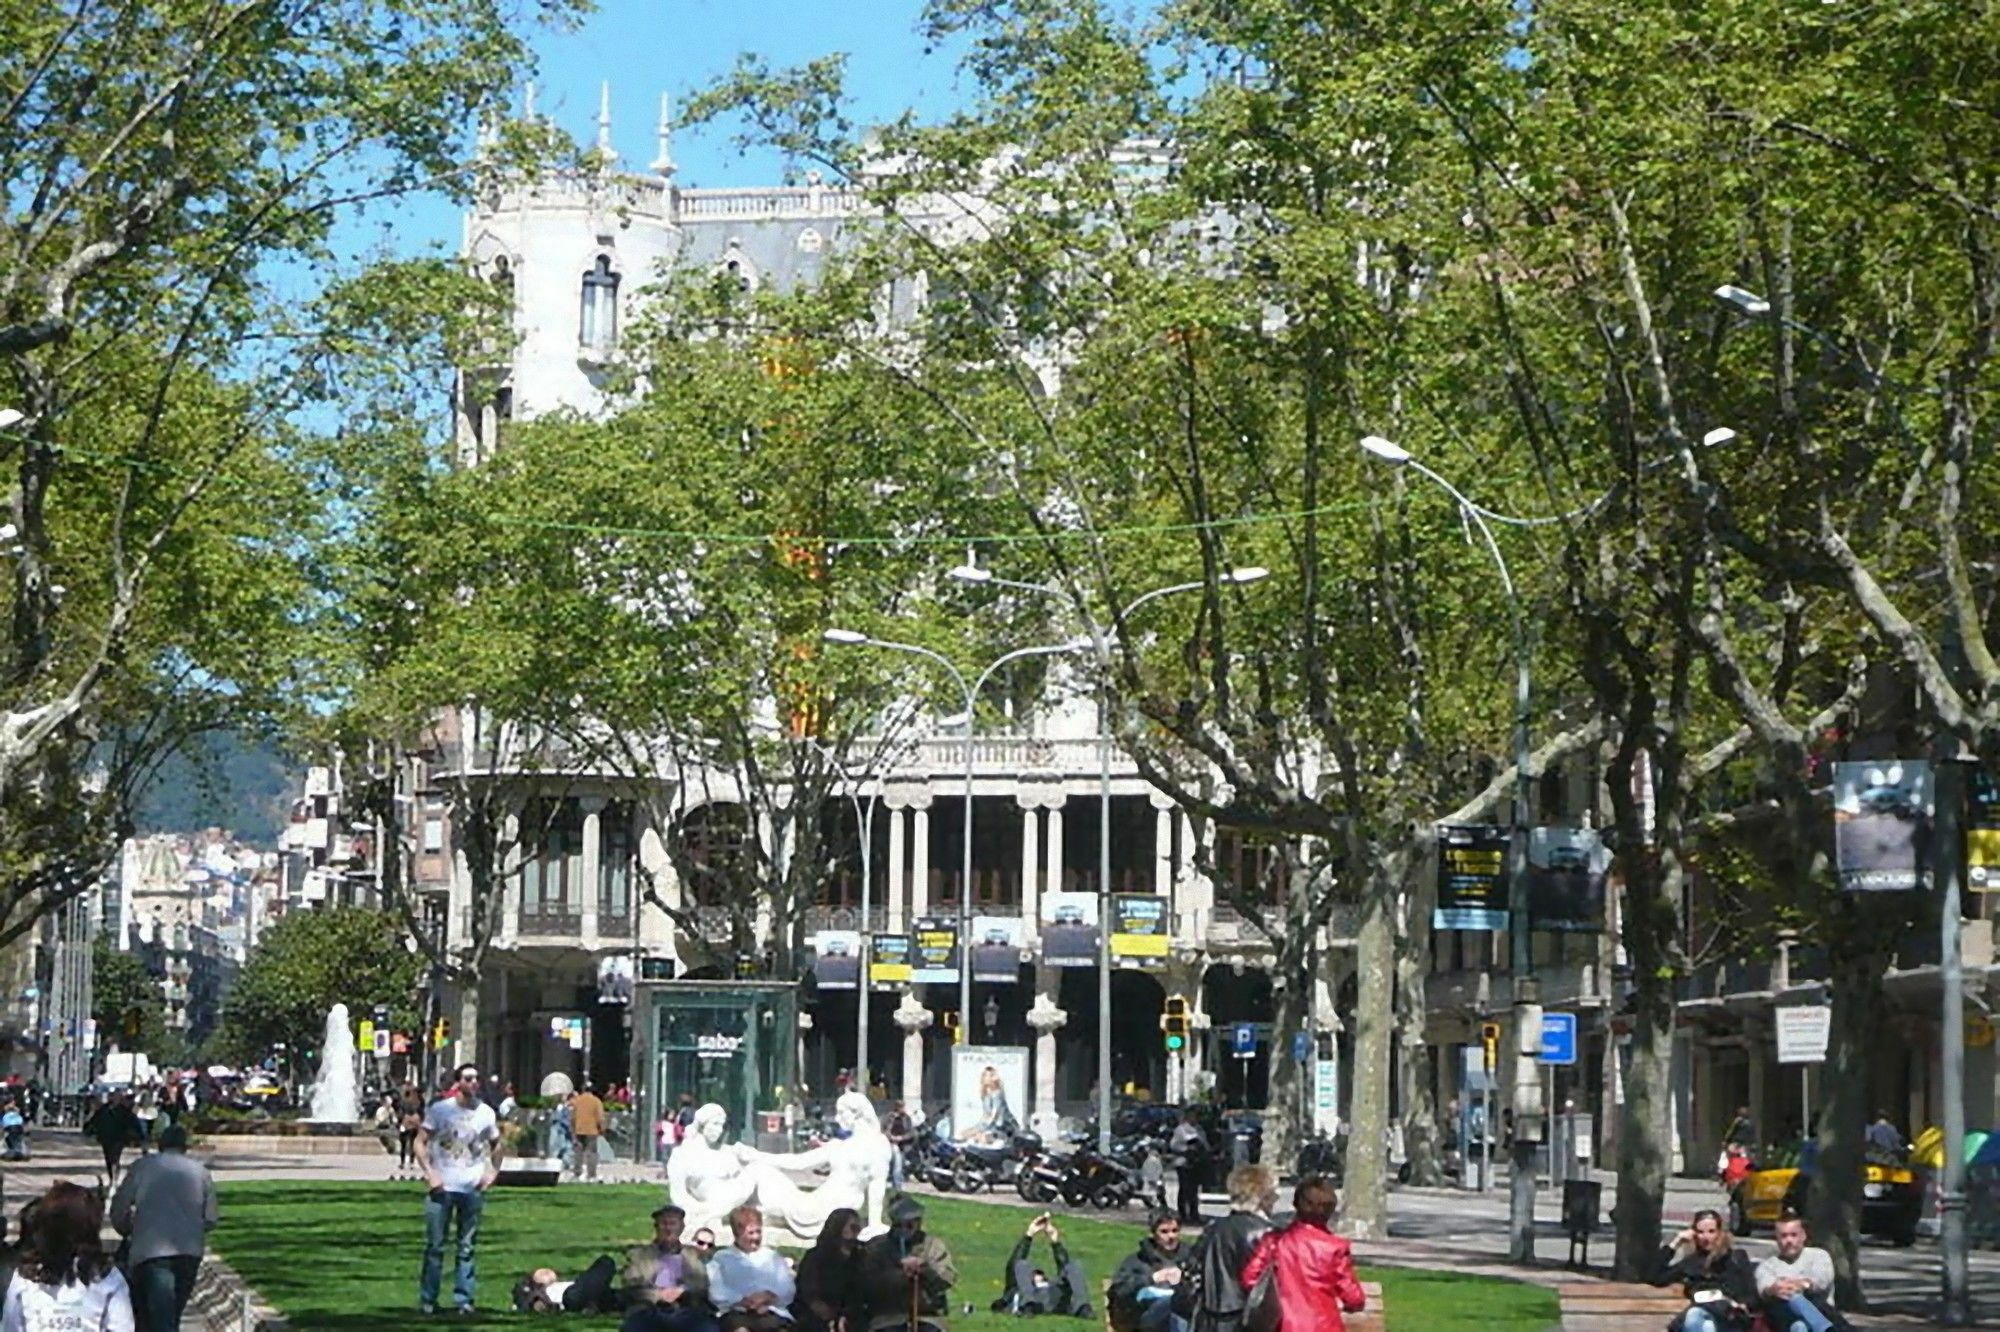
pixel 1260 1308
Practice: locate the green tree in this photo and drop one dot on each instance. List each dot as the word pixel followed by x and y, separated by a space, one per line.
pixel 127 1002
pixel 172 306
pixel 307 962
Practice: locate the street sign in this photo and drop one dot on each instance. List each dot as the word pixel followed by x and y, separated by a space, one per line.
pixel 1802 1033
pixel 1302 1046
pixel 1243 1040
pixel 1558 1039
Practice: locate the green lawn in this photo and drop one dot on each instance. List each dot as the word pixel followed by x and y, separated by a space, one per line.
pixel 341 1257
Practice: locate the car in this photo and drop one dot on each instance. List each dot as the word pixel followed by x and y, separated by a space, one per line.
pixel 1892 1197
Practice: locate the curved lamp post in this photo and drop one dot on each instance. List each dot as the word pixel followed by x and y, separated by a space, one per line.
pixel 1527 998
pixel 1100 642
pixel 970 693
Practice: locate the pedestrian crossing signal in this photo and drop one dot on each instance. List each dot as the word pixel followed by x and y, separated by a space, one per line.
pixel 1174 1022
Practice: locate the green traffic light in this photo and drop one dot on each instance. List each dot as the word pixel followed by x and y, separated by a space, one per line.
pixel 1176 1042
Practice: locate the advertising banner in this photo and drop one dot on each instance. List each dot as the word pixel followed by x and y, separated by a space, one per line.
pixel 989 1093
pixel 889 960
pixel 1069 929
pixel 1566 871
pixel 1882 825
pixel 934 951
pixel 837 959
pixel 614 979
pixel 996 949
pixel 1139 928
pixel 1982 831
pixel 1472 877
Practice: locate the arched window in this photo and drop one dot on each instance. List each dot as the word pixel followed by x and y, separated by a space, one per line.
pixel 598 327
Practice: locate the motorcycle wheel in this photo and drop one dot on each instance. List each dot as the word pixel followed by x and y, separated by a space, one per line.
pixel 1032 1189
pixel 968 1178
pixel 1109 1199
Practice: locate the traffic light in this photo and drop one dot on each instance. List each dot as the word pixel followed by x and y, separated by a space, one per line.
pixel 1174 1022
pixel 441 1034
pixel 1489 1036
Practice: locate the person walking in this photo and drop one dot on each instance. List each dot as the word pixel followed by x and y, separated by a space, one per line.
pixel 410 1118
pixel 165 1209
pixel 1188 1146
pixel 65 1279
pixel 147 1109
pixel 586 1123
pixel 1885 1141
pixel 1226 1245
pixel 901 1130
pixel 1314 1268
pixel 457 1146
pixel 113 1127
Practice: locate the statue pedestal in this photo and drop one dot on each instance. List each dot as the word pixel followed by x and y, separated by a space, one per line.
pixel 1047 1020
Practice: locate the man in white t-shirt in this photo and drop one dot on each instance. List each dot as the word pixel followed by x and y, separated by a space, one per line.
pixel 456 1149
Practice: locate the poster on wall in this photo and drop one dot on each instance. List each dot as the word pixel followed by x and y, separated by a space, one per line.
pixel 1139 928
pixel 934 951
pixel 889 959
pixel 1882 825
pixel 996 949
pixel 614 979
pixel 989 1093
pixel 1472 877
pixel 1069 929
pixel 1566 872
pixel 837 959
pixel 1982 831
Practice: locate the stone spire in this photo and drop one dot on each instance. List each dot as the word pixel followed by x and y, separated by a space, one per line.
pixel 605 152
pixel 528 101
pixel 663 165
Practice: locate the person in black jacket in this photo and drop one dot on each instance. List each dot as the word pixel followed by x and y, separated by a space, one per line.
pixel 1028 1288
pixel 1716 1277
pixel 1143 1287
pixel 829 1286
pixel 1216 1301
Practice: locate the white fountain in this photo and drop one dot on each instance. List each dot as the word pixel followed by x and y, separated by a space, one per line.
pixel 334 1100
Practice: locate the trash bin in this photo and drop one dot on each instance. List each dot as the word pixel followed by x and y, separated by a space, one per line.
pixel 1581 1198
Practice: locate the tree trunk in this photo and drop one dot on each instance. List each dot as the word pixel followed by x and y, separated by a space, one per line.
pixel 1291 1009
pixel 1834 1203
pixel 1364 1205
pixel 1414 1074
pixel 1644 1135
pixel 468 1019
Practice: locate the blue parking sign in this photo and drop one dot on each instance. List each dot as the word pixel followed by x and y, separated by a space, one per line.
pixel 1243 1040
pixel 1558 1039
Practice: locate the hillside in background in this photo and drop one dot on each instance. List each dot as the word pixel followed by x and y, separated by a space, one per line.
pixel 224 780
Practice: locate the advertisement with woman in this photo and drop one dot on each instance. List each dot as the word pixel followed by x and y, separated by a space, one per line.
pixel 989 1093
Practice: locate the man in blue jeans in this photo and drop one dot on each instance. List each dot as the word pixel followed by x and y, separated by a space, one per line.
pixel 457 1148
pixel 165 1206
pixel 1796 1283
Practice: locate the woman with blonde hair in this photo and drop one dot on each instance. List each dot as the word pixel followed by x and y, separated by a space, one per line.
pixel 1216 1297
pixel 1716 1276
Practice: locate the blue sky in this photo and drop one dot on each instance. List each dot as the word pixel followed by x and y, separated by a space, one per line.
pixel 646 47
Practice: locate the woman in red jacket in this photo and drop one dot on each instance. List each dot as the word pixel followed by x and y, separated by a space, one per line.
pixel 1315 1266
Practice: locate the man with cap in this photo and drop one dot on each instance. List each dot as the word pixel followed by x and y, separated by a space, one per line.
pixel 666 1286
pixel 907 1275
pixel 166 1206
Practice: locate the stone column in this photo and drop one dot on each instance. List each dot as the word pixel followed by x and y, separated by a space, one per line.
pixel 593 864
pixel 1031 860
pixel 920 862
pixel 897 881
pixel 913 1017
pixel 1054 847
pixel 512 864
pixel 1163 847
pixel 1047 1020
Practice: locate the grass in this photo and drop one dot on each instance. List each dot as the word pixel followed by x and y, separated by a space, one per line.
pixel 343 1257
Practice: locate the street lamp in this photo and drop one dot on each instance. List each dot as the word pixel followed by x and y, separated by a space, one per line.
pixel 1527 998
pixel 1100 639
pixel 970 693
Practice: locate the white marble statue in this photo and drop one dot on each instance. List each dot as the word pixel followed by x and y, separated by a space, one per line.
pixel 708 1177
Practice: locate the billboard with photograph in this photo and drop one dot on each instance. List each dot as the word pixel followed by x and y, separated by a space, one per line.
pixel 1882 825
pixel 1566 872
pixel 614 979
pixel 889 959
pixel 837 959
pixel 1069 929
pixel 996 948
pixel 1472 877
pixel 1139 927
pixel 934 951
pixel 989 1093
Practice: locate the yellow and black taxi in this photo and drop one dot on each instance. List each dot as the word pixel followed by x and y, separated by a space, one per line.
pixel 1892 1196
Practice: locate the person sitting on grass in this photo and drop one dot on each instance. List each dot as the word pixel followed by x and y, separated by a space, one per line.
pixel 829 1294
pixel 907 1275
pixel 1796 1283
pixel 1714 1275
pixel 1028 1289
pixel 543 1291
pixel 1144 1286
pixel 1314 1266
pixel 666 1285
pixel 751 1286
